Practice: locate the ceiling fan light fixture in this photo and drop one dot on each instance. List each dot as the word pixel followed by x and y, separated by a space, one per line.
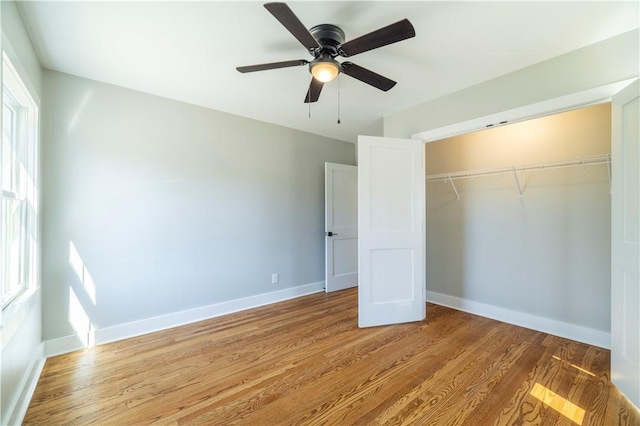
pixel 325 70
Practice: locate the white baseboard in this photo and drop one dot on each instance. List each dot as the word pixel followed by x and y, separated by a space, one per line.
pixel 17 412
pixel 557 328
pixel 62 345
pixel 136 328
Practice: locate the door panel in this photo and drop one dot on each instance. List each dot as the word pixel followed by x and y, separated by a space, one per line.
pixel 625 242
pixel 345 256
pixel 341 221
pixel 396 214
pixel 401 275
pixel 391 249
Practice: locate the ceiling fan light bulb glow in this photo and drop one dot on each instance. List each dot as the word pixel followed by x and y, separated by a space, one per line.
pixel 325 71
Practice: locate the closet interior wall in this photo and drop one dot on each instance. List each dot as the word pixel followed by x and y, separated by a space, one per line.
pixel 545 253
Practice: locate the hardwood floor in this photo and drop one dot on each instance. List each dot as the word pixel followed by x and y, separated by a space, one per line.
pixel 305 361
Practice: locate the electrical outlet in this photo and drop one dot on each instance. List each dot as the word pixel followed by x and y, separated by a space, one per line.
pixel 275 278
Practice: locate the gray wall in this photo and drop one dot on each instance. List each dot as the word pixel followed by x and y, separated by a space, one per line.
pixel 21 325
pixel 170 206
pixel 547 254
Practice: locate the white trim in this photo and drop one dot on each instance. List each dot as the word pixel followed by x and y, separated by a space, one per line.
pixel 62 345
pixel 552 106
pixel 15 87
pixel 579 333
pixel 21 71
pixel 18 408
pixel 136 328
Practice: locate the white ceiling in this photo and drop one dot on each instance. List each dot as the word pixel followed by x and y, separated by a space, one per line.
pixel 189 50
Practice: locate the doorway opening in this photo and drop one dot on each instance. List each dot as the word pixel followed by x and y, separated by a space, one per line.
pixel 519 223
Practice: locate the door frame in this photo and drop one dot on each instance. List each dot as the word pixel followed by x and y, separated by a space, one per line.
pixel 625 373
pixel 348 280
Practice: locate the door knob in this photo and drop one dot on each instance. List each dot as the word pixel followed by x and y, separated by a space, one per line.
pixel 330 234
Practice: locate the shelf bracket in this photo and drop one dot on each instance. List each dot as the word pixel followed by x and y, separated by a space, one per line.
pixel 453 185
pixel 515 176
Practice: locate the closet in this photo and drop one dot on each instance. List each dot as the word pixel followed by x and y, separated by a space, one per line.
pixel 519 218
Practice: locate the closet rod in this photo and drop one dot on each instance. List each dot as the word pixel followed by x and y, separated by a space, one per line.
pixel 573 162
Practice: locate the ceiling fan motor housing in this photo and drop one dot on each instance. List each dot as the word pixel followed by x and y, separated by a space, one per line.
pixel 329 37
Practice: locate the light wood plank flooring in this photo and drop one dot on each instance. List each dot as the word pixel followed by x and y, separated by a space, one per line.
pixel 305 361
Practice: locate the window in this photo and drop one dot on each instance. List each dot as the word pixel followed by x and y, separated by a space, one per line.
pixel 19 167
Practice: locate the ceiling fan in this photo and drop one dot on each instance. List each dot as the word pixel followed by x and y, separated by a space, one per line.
pixel 325 42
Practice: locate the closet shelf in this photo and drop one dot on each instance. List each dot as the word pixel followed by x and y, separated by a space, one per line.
pixel 572 162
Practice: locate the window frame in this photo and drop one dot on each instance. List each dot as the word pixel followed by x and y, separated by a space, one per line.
pixel 22 188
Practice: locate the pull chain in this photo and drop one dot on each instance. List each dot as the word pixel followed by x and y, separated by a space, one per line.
pixel 338 98
pixel 309 96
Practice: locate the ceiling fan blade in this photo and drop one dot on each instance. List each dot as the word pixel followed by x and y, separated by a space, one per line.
pixel 366 76
pixel 393 33
pixel 272 65
pixel 314 91
pixel 290 21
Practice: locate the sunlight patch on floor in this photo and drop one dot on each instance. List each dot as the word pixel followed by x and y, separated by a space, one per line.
pixel 558 403
pixel 575 366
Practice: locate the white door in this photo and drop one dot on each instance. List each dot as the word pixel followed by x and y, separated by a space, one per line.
pixel 341 223
pixel 391 232
pixel 625 242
